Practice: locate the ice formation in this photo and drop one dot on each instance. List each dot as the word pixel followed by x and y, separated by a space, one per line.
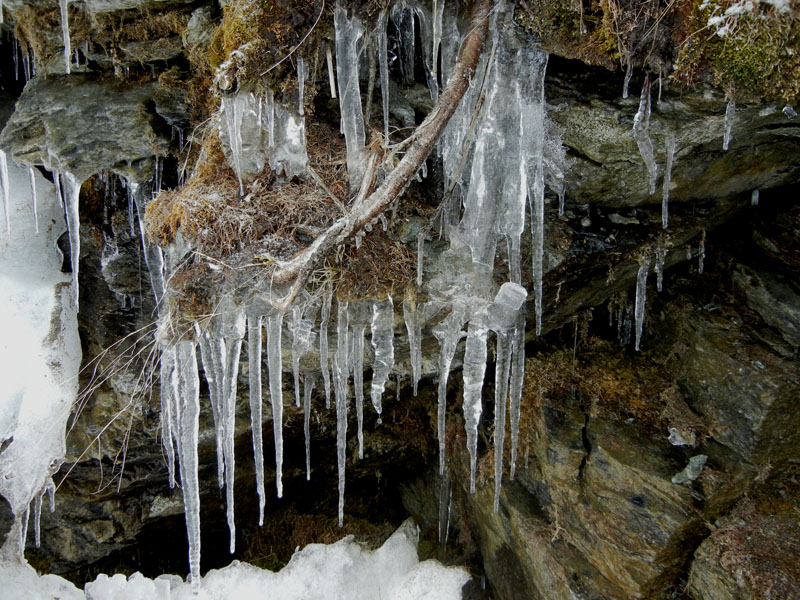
pixel 64 7
pixel 641 297
pixel 730 111
pixel 669 151
pixel 641 126
pixel 383 346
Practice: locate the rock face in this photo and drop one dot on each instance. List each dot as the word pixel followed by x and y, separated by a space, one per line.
pixel 594 510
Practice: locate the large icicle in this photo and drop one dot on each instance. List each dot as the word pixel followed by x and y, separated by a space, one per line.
pixel 448 332
pixel 302 340
pixel 641 292
pixel 383 345
pixel 169 409
pixel 473 372
pixel 233 329
pixel 274 363
pixel 64 6
pixel 324 365
pixel 730 111
pixel 187 391
pixel 32 181
pixel 403 18
pixel 641 126
pixel 341 364
pixel 383 67
pixel 6 191
pixel 213 354
pixel 348 36
pixel 669 150
pixel 515 387
pixel 357 367
pixel 412 320
pixel 71 201
pixel 254 328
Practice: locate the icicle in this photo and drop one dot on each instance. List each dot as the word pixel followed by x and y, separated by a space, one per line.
pixel 57 183
pixel 438 12
pixel 670 155
pixel 448 333
pixel 302 340
pixel 6 190
pixel 420 256
pixel 403 17
pixel 169 408
pixel 473 372
pixel 445 490
pixel 641 292
pixel 274 362
pixel 232 111
pixel 641 125
pixel 331 76
pixel 536 200
pixel 130 211
pixel 348 34
pixel 626 83
pixel 383 345
pixel 411 318
pixel 730 111
pixel 213 354
pixel 561 201
pixel 71 200
pixel 37 508
pixel 661 256
pixel 32 180
pixel 754 198
pixel 515 387
pixel 341 363
pixel 383 66
pixel 302 73
pixel 63 5
pixel 502 373
pixel 308 381
pixel 701 253
pixel 357 367
pixel 254 325
pixel 325 314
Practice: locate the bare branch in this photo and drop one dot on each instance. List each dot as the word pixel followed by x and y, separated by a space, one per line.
pixel 424 138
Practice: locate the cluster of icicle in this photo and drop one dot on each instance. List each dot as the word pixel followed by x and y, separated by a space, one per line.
pixel 499 152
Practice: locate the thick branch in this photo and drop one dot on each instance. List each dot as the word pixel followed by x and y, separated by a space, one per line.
pixel 424 139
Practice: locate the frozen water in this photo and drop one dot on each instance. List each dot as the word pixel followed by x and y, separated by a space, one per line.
pixel 515 387
pixel 641 126
pixel 641 292
pixel 473 372
pixel 275 362
pixel 448 332
pixel 302 340
pixel 254 328
pixel 64 6
pixel 308 380
pixel 383 67
pixel 349 33
pixel 730 111
pixel 754 198
pixel 383 346
pixel 325 314
pixel 412 321
pixel 341 366
pixel 357 359
pixel 32 180
pixel 669 151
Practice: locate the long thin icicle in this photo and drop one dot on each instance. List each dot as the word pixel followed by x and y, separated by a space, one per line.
pixel 64 6
pixel 641 293
pixel 641 126
pixel 669 150
pixel 169 409
pixel 411 318
pixel 515 388
pixel 383 345
pixel 448 333
pixel 187 390
pixel 324 366
pixel 32 181
pixel 473 372
pixel 71 201
pixel 308 380
pixel 357 360
pixel 502 372
pixel 234 329
pixel 730 111
pixel 383 67
pixel 274 362
pixel 254 325
pixel 6 191
pixel 302 340
pixel 213 355
pixel 341 364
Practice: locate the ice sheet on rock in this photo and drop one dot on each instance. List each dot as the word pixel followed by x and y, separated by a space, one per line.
pixel 473 372
pixel 383 346
pixel 730 112
pixel 448 333
pixel 669 151
pixel 64 7
pixel 641 293
pixel 274 363
pixel 254 329
pixel 413 327
pixel 349 33
pixel 325 313
pixel 641 126
pixel 341 367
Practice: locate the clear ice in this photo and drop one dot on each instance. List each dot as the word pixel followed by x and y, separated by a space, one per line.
pixel 641 126
pixel 383 346
pixel 341 365
pixel 669 151
pixel 473 371
pixel 274 363
pixel 254 328
pixel 71 201
pixel 641 292
pixel 730 111
pixel 64 6
pixel 32 180
pixel 412 321
pixel 325 314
